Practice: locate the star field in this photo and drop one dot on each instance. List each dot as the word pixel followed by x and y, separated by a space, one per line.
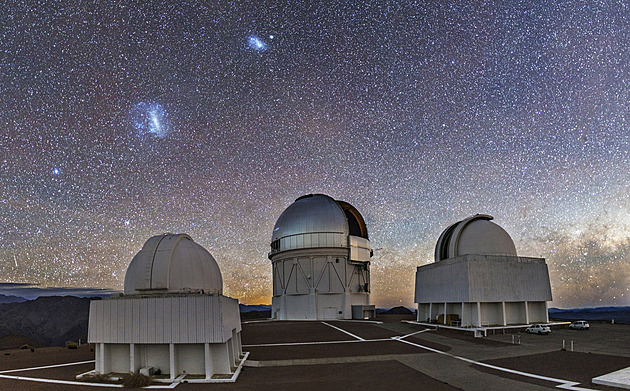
pixel 123 121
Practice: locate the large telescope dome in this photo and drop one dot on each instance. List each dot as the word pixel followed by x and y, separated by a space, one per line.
pixel 320 256
pixel 317 220
pixel 474 235
pixel 173 263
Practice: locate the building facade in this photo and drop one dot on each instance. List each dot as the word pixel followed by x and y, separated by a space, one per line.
pixel 478 279
pixel 172 318
pixel 320 255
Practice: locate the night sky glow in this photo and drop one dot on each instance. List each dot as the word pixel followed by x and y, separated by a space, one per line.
pixel 120 121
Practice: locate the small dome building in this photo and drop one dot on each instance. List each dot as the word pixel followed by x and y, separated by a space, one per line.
pixel 478 279
pixel 172 317
pixel 320 254
pixel 474 235
pixel 173 264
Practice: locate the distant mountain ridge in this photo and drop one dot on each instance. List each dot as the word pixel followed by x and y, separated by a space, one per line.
pixel 33 291
pixel 11 299
pixel 600 314
pixel 254 307
pixel 400 310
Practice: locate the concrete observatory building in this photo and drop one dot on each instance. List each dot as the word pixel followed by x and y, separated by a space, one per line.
pixel 172 316
pixel 478 280
pixel 320 253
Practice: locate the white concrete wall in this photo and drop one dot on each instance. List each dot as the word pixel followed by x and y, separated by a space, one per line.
pixel 515 313
pixel 491 314
pixel 220 358
pixel 423 313
pixel 493 279
pixel 156 356
pixel 316 306
pixel 298 307
pixel 470 315
pixel 445 281
pixel 117 356
pixel 483 278
pixel 538 312
pixel 301 275
pixel 163 319
pixel 308 285
pixel 190 358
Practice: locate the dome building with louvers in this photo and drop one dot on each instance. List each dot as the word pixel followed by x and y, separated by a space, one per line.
pixel 320 255
pixel 478 279
pixel 172 318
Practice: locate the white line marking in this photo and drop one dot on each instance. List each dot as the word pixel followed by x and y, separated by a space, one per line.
pixel 81 383
pixel 359 321
pixel 168 387
pixel 344 331
pixel 74 383
pixel 564 384
pixel 214 381
pixel 409 335
pixel 48 366
pixel 315 343
pixel 257 321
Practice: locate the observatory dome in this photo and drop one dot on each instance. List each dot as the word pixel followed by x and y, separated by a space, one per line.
pixel 317 220
pixel 474 235
pixel 173 263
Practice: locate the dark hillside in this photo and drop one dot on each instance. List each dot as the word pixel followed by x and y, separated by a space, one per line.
pixel 49 321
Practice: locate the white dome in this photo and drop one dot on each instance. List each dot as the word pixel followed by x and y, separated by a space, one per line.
pixel 311 214
pixel 173 263
pixel 474 235
pixel 317 220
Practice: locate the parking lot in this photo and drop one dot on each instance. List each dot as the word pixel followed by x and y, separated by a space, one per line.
pixel 602 338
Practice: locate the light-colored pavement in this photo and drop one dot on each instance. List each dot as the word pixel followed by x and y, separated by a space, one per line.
pixel 602 338
pixel 462 375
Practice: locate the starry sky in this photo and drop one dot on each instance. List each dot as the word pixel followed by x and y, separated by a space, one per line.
pixel 123 120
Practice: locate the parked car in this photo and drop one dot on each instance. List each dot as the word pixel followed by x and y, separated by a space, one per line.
pixel 579 325
pixel 538 329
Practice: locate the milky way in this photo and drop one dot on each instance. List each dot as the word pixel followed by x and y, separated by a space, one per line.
pixel 418 115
